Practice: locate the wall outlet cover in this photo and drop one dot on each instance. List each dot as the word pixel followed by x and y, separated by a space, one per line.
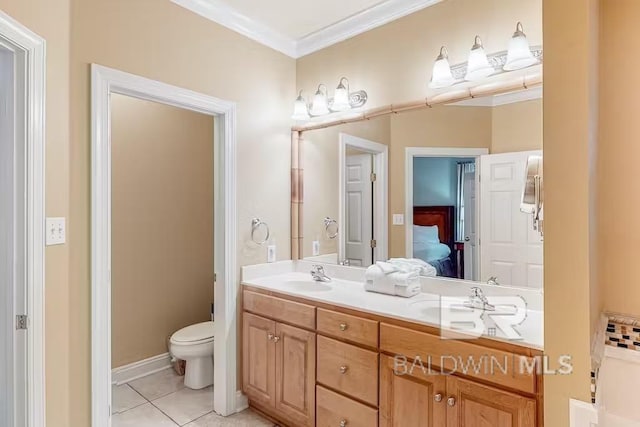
pixel 271 253
pixel 398 219
pixel 55 229
pixel 315 245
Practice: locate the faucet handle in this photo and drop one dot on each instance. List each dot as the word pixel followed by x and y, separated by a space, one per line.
pixel 477 292
pixel 316 268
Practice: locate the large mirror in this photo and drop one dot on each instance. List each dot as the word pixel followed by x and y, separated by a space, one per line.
pixel 457 186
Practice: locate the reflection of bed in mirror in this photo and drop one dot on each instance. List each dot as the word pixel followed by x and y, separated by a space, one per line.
pixel 434 237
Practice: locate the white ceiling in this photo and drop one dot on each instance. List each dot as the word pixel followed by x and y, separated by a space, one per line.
pixel 300 27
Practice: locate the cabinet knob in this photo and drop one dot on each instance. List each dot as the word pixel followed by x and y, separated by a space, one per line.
pixel 270 337
pixel 276 339
pixel 344 369
pixel 344 326
pixel 451 401
pixel 438 397
pixel 343 423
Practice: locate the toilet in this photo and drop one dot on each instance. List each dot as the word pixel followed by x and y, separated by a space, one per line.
pixel 194 345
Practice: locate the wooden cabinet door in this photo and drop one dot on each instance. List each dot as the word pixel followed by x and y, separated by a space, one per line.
pixel 295 374
pixel 410 397
pixel 258 359
pixel 476 405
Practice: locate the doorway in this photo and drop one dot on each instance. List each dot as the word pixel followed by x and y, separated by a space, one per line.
pixel 21 225
pixel 106 81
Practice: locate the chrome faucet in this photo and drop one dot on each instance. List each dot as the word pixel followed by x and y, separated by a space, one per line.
pixel 493 280
pixel 318 274
pixel 479 300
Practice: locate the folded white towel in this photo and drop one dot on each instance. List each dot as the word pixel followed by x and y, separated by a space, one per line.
pixel 383 286
pixel 387 268
pixel 401 278
pixel 408 291
pixel 413 264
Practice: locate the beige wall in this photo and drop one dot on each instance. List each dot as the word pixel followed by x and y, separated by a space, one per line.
pixel 50 20
pixel 162 41
pixel 517 127
pixel 618 187
pixel 321 188
pixel 162 228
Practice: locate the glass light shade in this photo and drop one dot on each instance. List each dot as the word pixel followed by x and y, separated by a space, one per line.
pixel 341 97
pixel 478 66
pixel 300 110
pixel 519 55
pixel 320 104
pixel 441 75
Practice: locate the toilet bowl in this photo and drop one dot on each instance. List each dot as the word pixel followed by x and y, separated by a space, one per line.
pixel 194 344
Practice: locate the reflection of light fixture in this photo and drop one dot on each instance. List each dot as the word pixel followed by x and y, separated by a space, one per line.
pixel 341 97
pixel 519 55
pixel 300 110
pixel 320 105
pixel 441 76
pixel 478 66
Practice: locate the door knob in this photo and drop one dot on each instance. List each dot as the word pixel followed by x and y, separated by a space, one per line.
pixel 467 239
pixel 270 337
pixel 344 369
pixel 451 401
pixel 276 339
pixel 343 326
pixel 438 397
pixel 343 423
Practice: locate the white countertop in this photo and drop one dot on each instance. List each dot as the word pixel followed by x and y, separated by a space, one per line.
pixel 424 308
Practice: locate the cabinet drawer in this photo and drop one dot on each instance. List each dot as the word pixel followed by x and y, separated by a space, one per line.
pixel 295 313
pixel 460 357
pixel 334 410
pixel 348 369
pixel 347 327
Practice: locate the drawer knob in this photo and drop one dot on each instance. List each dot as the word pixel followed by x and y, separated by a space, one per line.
pixel 344 326
pixel 451 401
pixel 344 369
pixel 270 337
pixel 276 339
pixel 343 423
pixel 438 397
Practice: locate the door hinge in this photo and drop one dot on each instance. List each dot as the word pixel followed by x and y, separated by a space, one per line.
pixel 374 243
pixel 22 321
pixel 373 177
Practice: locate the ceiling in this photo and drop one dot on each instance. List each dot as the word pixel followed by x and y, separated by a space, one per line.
pixel 300 27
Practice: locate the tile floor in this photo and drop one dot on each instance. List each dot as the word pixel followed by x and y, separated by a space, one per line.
pixel 162 400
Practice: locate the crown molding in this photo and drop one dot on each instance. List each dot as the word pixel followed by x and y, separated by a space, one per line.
pixel 219 12
pixel 376 16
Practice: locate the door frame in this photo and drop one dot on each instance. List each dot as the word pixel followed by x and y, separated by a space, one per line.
pixel 380 154
pixel 105 81
pixel 30 50
pixel 410 154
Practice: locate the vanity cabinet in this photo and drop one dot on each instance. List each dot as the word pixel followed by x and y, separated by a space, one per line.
pixel 315 364
pixel 279 368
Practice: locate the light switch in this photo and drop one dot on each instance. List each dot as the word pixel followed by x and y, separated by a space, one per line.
pixel 55 230
pixel 398 219
pixel 315 246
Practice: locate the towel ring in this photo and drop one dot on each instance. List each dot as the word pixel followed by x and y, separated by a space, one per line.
pixel 331 227
pixel 256 224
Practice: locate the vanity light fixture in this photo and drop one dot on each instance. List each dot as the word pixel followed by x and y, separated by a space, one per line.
pixel 478 66
pixel 341 97
pixel 441 75
pixel 300 109
pixel 320 105
pixel 519 55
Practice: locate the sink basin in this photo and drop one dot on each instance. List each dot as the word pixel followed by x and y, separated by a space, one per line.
pixel 306 286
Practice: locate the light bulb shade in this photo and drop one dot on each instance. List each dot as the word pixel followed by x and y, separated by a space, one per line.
pixel 300 110
pixel 519 54
pixel 478 66
pixel 341 97
pixel 320 104
pixel 441 75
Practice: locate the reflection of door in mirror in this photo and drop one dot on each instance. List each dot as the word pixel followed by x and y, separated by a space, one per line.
pixel 467 179
pixel 358 205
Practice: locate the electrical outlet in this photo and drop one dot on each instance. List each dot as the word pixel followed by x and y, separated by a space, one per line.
pixel 271 253
pixel 55 229
pixel 398 219
pixel 315 246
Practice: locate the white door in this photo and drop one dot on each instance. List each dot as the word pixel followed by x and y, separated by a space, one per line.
pixel 470 234
pixel 13 378
pixel 510 249
pixel 359 210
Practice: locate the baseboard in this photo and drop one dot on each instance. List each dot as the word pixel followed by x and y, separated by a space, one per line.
pixel 133 371
pixel 242 402
pixel 582 414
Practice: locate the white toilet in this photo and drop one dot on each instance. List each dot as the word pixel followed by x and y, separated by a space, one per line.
pixel 194 344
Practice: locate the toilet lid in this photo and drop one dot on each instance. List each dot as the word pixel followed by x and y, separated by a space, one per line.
pixel 198 332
